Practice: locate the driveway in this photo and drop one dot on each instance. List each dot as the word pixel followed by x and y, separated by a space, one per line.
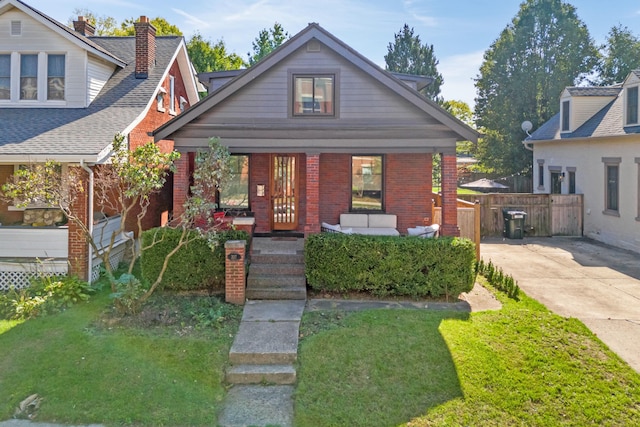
pixel 581 278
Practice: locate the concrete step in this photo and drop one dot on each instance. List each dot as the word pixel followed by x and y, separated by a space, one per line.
pixel 256 405
pixel 261 374
pixel 265 343
pixel 276 293
pixel 275 281
pixel 258 258
pixel 276 269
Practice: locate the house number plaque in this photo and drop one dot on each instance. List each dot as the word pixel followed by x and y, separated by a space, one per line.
pixel 234 256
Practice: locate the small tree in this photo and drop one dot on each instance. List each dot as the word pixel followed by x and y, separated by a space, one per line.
pixel 266 42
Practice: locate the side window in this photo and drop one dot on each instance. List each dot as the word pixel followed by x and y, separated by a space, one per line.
pixel 5 76
pixel 611 185
pixel 366 183
pixel 55 77
pixel 29 77
pixel 566 116
pixel 235 194
pixel 632 106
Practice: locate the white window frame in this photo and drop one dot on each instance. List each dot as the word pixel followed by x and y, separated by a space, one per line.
pixel 628 122
pixel 172 95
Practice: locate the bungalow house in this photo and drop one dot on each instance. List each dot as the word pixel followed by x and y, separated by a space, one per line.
pixel 316 130
pixel 64 95
pixel 592 147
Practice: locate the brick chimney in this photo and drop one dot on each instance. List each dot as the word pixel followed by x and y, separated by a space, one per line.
pixel 145 47
pixel 84 27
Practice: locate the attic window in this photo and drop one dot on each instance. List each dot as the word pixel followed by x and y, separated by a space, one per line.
pixel 313 95
pixel 632 106
pixel 16 28
pixel 566 110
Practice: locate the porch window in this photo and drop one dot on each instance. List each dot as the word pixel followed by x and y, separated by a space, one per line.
pixel 235 194
pixel 313 95
pixel 55 77
pixel 5 76
pixel 612 185
pixel 366 183
pixel 29 77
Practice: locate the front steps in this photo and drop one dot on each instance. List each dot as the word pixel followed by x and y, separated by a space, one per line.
pixel 277 270
pixel 266 346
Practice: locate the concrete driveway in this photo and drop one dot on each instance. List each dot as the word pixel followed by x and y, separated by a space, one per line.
pixel 581 278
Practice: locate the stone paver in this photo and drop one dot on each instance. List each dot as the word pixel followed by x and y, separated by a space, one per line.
pixel 255 405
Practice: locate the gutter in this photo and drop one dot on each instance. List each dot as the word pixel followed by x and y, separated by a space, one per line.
pixel 90 218
pixel 526 145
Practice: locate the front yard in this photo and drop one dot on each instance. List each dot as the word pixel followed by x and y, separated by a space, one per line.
pixel 521 365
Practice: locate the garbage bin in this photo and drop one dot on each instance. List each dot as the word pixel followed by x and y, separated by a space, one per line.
pixel 513 223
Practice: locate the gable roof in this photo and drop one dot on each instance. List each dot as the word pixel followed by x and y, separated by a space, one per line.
pixel 64 31
pixel 315 31
pixel 64 134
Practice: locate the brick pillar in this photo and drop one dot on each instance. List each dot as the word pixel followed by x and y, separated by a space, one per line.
pixel 449 195
pixel 78 246
pixel 312 224
pixel 235 275
pixel 180 185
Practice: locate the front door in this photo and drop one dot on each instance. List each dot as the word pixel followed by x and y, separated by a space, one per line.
pixel 284 188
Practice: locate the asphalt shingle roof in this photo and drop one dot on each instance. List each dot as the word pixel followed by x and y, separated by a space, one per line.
pixel 594 91
pixel 609 121
pixel 88 131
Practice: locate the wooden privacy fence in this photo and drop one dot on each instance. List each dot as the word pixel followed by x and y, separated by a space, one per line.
pixel 468 220
pixel 547 214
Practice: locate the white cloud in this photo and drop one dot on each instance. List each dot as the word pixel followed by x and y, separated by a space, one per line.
pixel 192 20
pixel 458 72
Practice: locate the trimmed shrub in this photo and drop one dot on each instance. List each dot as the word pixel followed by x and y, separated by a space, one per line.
pixel 195 266
pixel 390 266
pixel 498 279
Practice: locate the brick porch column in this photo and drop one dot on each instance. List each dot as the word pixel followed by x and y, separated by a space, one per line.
pixel 312 224
pixel 235 275
pixel 449 181
pixel 78 246
pixel 180 185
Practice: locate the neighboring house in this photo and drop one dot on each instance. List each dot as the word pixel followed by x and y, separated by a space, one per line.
pixel 64 95
pixel 592 147
pixel 318 130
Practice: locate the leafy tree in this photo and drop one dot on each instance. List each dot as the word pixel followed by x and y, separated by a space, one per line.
pixel 621 56
pixel 108 26
pixel 266 42
pixel 208 57
pixel 408 55
pixel 104 25
pixel 545 48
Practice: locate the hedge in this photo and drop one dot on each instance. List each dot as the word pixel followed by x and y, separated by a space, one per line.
pixel 194 266
pixel 390 266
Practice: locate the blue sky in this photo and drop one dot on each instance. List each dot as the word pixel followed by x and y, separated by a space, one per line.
pixel 460 30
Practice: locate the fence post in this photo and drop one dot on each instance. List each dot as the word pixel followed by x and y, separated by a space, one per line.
pixel 235 275
pixel 476 227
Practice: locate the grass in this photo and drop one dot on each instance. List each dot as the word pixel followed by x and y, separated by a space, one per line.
pixel 90 367
pixel 519 366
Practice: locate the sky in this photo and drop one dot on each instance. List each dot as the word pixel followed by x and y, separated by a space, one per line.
pixel 459 30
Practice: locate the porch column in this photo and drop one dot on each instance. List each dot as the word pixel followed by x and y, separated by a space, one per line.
pixel 312 224
pixel 449 185
pixel 78 245
pixel 180 185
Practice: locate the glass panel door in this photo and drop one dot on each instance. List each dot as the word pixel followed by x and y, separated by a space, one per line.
pixel 283 192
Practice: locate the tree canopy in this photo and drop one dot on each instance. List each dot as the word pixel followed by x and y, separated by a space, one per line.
pixel 266 42
pixel 408 55
pixel 621 55
pixel 207 56
pixel 545 48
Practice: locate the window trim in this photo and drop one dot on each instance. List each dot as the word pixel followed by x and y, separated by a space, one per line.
pixel 611 162
pixel 382 184
pixel 320 72
pixel 627 112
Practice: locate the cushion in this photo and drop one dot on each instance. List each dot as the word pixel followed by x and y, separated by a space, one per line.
pixel 378 231
pixel 382 221
pixel 354 220
pixel 335 228
pixel 421 231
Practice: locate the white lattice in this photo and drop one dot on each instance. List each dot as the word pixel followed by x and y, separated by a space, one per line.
pixel 115 258
pixel 18 274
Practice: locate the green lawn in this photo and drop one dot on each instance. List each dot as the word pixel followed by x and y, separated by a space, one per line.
pixel 99 372
pixel 520 366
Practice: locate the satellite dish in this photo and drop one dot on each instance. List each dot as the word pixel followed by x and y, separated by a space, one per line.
pixel 527 126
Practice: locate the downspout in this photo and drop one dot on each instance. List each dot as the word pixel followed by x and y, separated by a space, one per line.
pixel 90 218
pixel 526 145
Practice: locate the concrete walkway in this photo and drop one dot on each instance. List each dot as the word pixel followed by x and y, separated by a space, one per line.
pixel 581 278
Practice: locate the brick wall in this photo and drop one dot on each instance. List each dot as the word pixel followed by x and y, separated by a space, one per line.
pixel 78 247
pixel 449 196
pixel 311 177
pixel 335 185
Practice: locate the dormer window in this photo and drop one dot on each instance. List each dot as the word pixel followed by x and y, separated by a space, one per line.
pixel 632 106
pixel 172 95
pixel 566 116
pixel 160 99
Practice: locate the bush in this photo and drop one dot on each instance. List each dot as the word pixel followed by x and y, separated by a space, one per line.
pixel 46 295
pixel 396 266
pixel 197 265
pixel 498 279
